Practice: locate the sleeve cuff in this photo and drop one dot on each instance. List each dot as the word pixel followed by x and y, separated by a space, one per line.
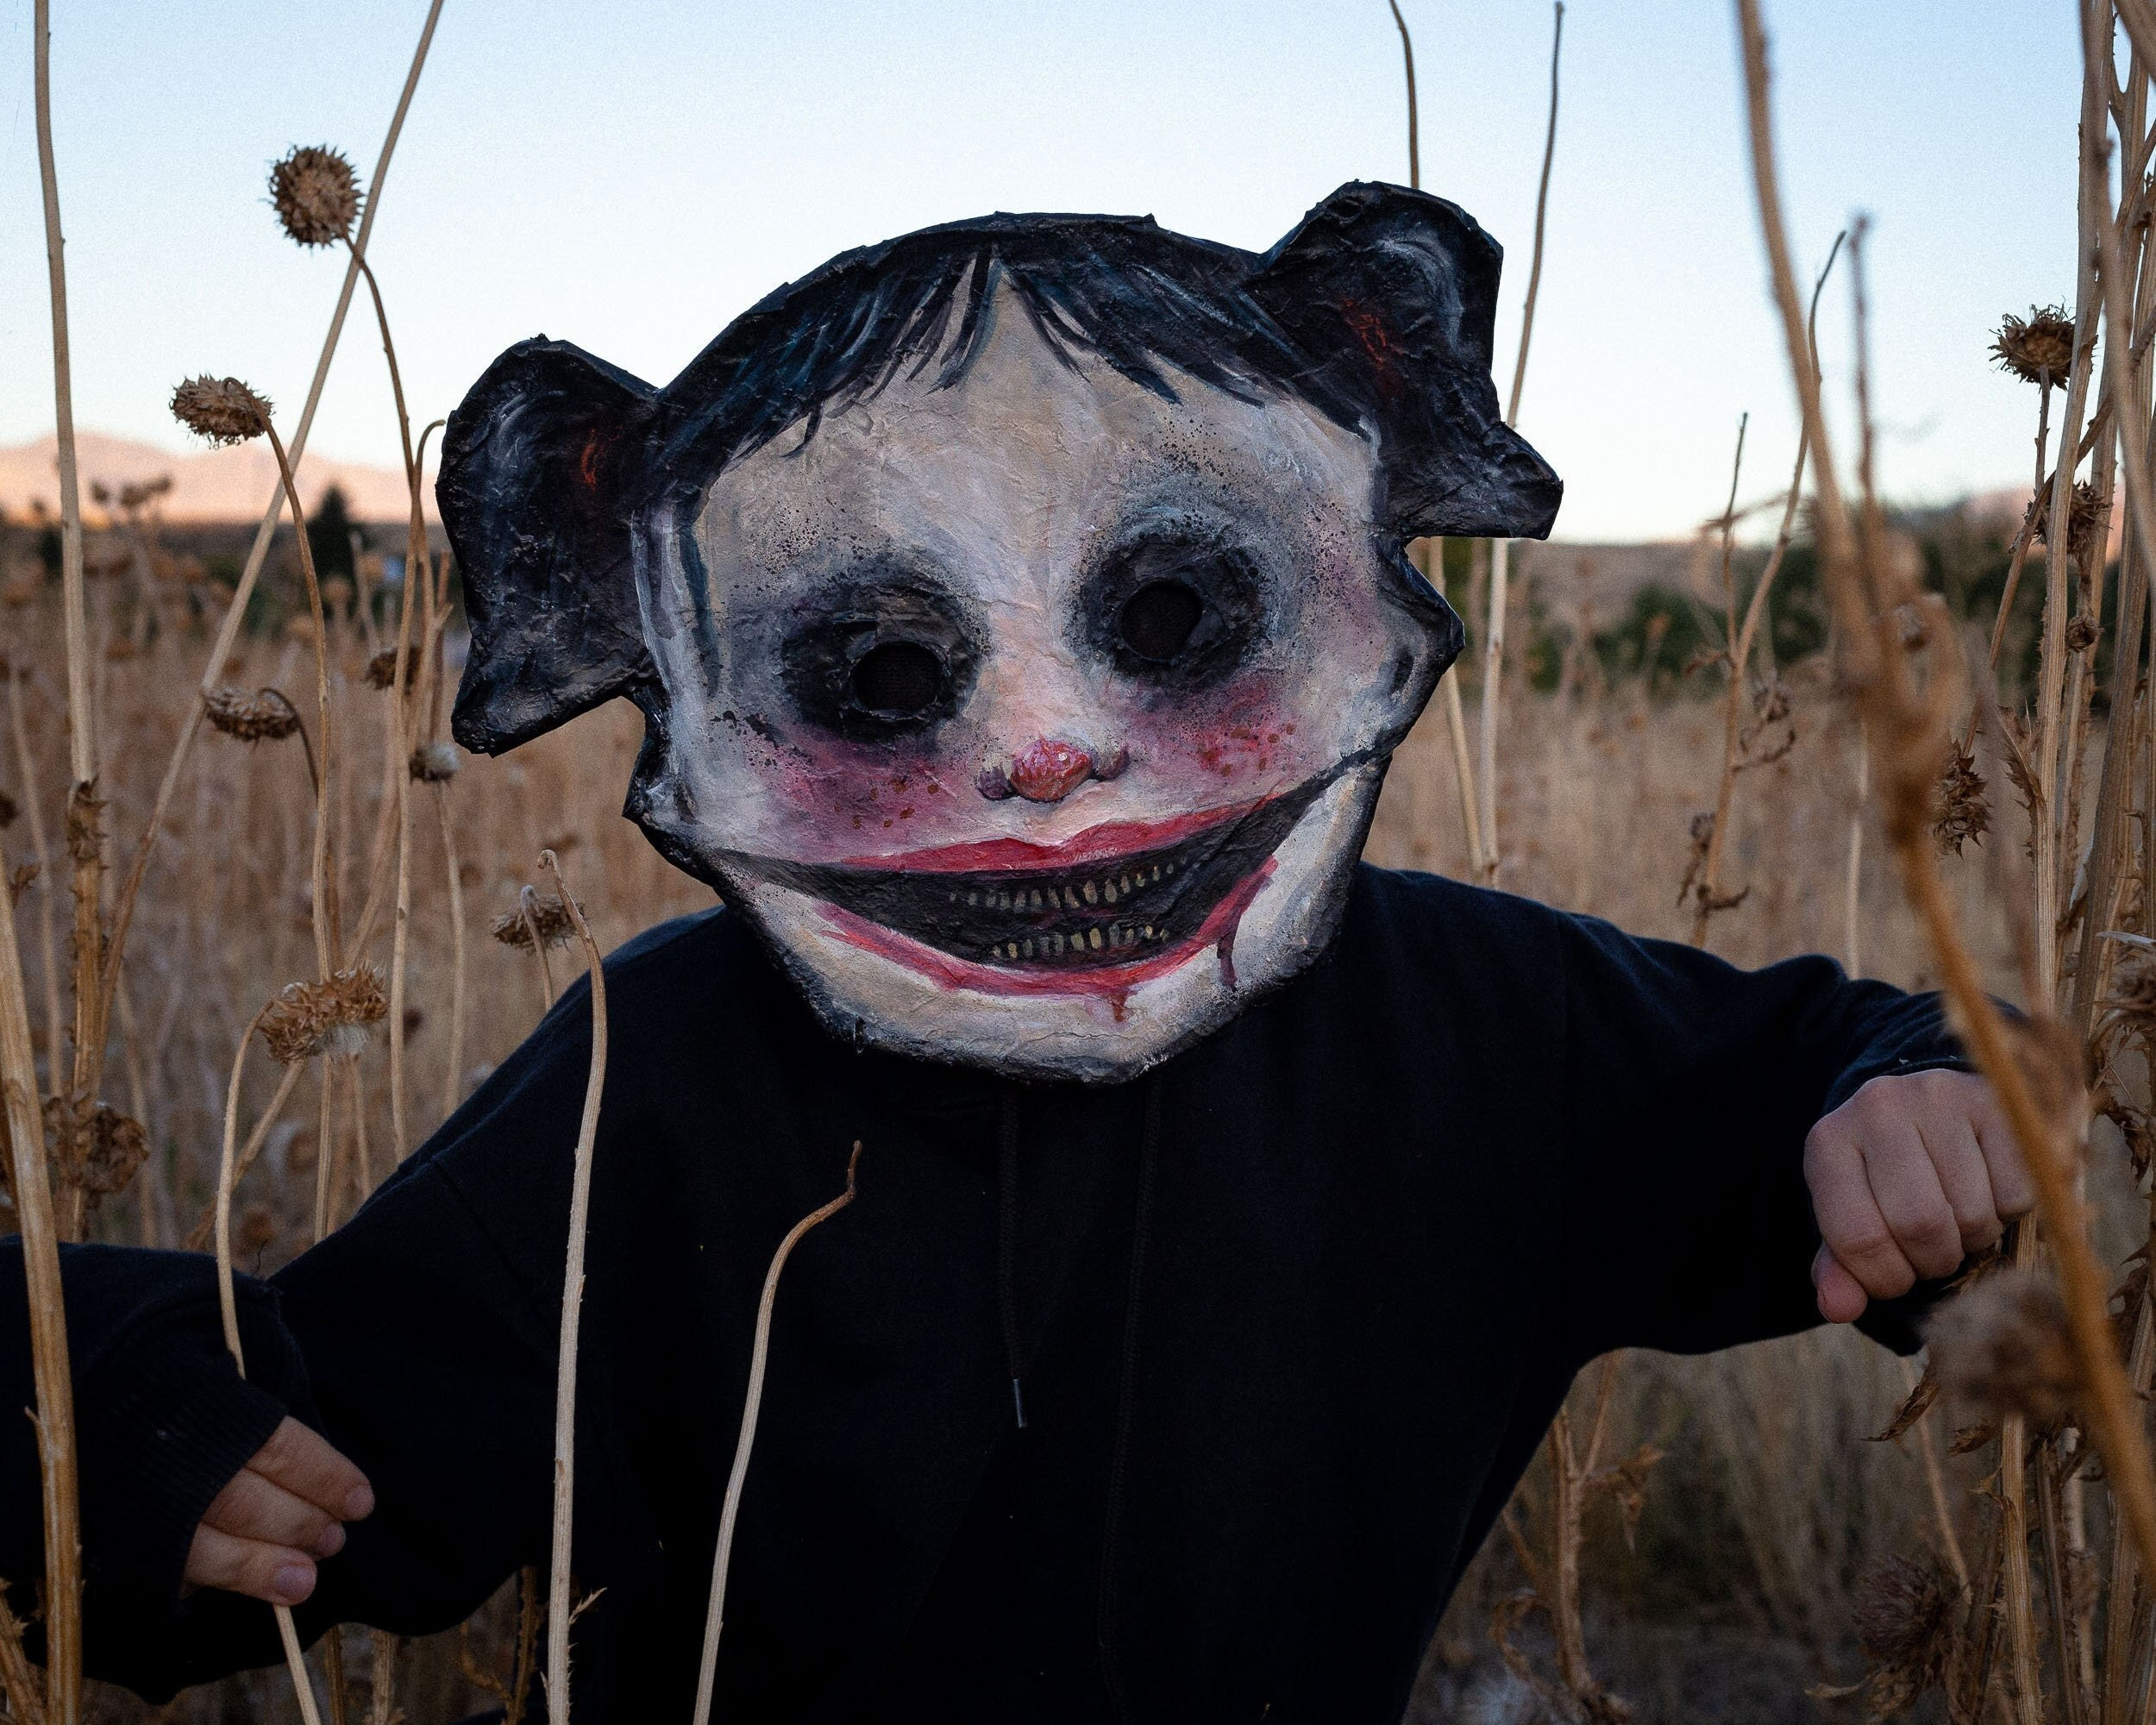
pixel 165 1423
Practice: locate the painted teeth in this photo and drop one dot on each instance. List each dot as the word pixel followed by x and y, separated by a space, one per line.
pixel 1093 938
pixel 1092 892
pixel 1107 889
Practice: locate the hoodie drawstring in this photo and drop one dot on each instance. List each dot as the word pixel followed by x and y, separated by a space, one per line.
pixel 1006 1242
pixel 1141 1229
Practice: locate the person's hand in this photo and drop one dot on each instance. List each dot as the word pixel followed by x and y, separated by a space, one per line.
pixel 1908 1177
pixel 261 1534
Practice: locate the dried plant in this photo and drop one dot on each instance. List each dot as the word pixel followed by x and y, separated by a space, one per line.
pixel 560 1613
pixel 759 1357
pixel 266 715
pixel 1908 1612
pixel 540 919
pixel 2005 1347
pixel 316 195
pixel 1960 815
pixel 332 1016
pixel 2038 349
pixel 1501 549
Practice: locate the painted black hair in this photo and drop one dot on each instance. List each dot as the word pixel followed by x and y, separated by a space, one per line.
pixel 1377 310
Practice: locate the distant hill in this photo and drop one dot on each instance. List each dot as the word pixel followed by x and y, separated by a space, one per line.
pixel 208 485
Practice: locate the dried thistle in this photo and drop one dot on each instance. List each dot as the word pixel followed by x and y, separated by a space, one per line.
pixel 436 764
pixel 1905 1609
pixel 2038 349
pixel 330 1016
pixel 263 716
pixel 549 918
pixel 316 194
pixel 95 1147
pixel 222 409
pixel 381 670
pixel 2081 633
pixel 2003 1346
pixel 1959 813
pixel 2084 510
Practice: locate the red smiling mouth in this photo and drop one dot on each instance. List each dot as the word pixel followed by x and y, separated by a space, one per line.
pixel 1104 909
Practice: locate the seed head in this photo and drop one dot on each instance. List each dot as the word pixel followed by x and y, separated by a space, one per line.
pixel 223 410
pixel 263 716
pixel 331 1017
pixel 2038 349
pixel 549 918
pixel 381 670
pixel 95 1147
pixel 2003 1346
pixel 1959 813
pixel 2084 511
pixel 316 194
pixel 436 764
pixel 1905 1610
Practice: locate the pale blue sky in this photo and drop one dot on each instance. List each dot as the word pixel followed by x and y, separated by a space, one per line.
pixel 631 176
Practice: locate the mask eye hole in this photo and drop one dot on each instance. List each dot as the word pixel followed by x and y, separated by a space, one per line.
pixel 1158 620
pixel 898 680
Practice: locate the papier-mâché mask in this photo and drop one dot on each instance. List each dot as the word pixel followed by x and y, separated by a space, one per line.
pixel 1017 610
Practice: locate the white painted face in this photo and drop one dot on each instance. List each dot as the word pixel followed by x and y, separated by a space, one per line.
pixel 1036 719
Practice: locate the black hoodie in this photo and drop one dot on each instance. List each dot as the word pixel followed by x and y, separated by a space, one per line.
pixel 1284 1320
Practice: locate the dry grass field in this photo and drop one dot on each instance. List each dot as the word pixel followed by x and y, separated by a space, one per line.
pixel 1754 1527
pixel 229 808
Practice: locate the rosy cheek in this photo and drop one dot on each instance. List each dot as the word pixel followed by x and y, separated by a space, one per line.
pixel 1254 736
pixel 834 799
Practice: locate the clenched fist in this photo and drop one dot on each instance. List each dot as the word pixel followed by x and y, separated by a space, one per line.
pixel 287 1506
pixel 1908 1177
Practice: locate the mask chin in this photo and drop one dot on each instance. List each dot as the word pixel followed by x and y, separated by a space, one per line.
pixel 1076 989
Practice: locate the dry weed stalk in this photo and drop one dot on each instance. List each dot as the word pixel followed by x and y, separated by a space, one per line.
pixel 236 608
pixel 1576 1478
pixel 228 1308
pixel 55 1418
pixel 49 1324
pixel 2032 1070
pixel 752 1404
pixel 1501 549
pixel 561 1612
pixel 1738 641
pixel 1428 555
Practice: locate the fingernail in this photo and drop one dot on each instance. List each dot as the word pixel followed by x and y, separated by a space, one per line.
pixel 360 1504
pixel 332 1541
pixel 293 1583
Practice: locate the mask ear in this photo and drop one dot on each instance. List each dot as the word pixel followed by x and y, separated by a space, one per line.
pixel 537 495
pixel 1394 294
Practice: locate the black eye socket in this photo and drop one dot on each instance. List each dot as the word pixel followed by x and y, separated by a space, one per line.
pixel 898 680
pixel 885 652
pixel 1159 619
pixel 1177 608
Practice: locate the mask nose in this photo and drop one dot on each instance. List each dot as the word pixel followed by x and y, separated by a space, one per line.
pixel 1047 770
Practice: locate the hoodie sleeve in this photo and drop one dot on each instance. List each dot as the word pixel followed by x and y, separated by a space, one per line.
pixel 1691 1086
pixel 420 1339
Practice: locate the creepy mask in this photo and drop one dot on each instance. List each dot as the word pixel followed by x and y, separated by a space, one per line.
pixel 1017 610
